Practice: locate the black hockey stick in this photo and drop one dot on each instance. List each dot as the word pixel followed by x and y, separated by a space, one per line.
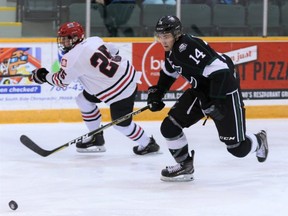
pixel 44 153
pixel 14 75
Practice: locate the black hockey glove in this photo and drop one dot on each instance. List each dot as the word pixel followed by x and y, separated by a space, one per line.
pixel 154 100
pixel 214 111
pixel 39 75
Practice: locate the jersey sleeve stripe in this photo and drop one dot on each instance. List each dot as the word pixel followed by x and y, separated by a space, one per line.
pixel 57 81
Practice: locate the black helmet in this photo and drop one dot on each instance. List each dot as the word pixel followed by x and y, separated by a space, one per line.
pixel 169 24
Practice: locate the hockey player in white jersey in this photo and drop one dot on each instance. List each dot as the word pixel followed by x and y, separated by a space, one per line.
pixel 106 77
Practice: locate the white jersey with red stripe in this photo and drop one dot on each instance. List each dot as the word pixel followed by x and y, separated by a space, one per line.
pixel 102 73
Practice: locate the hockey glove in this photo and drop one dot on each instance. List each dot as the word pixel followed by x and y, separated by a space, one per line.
pixel 214 111
pixel 154 100
pixel 39 75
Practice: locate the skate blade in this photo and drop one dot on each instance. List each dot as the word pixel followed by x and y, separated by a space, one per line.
pixel 93 149
pixel 149 154
pixel 182 178
pixel 154 153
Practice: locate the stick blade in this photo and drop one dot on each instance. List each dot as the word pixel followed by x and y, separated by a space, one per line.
pixel 33 146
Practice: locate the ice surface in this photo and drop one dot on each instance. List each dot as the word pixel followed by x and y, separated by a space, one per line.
pixel 119 183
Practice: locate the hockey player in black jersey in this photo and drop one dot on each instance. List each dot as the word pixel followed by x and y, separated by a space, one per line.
pixel 215 93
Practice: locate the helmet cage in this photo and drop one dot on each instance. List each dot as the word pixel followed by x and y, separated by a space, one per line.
pixel 69 35
pixel 66 43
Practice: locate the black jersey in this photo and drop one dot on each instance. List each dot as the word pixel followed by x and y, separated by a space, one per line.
pixel 204 68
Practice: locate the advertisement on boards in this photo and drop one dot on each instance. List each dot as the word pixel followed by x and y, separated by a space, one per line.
pixel 262 66
pixel 18 92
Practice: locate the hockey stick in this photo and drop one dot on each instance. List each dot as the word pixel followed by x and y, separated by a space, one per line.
pixel 44 153
pixel 15 75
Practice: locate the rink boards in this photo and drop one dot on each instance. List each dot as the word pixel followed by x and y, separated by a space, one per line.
pixel 73 115
pixel 262 64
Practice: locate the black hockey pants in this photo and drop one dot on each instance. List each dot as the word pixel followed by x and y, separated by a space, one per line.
pixel 231 129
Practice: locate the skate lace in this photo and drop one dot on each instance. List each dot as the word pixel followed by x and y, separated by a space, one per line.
pixel 88 140
pixel 174 168
pixel 261 152
pixel 141 148
pixel 262 148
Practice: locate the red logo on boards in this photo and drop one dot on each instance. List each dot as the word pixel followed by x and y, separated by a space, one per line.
pixel 149 58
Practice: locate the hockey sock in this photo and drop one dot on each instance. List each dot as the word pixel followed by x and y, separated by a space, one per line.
pixel 178 147
pixel 135 133
pixel 92 119
pixel 90 112
pixel 254 142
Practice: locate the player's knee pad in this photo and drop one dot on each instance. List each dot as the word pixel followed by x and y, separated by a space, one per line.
pixel 240 149
pixel 170 128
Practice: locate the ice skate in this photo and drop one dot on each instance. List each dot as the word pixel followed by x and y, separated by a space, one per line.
pixel 152 147
pixel 95 144
pixel 262 149
pixel 180 172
